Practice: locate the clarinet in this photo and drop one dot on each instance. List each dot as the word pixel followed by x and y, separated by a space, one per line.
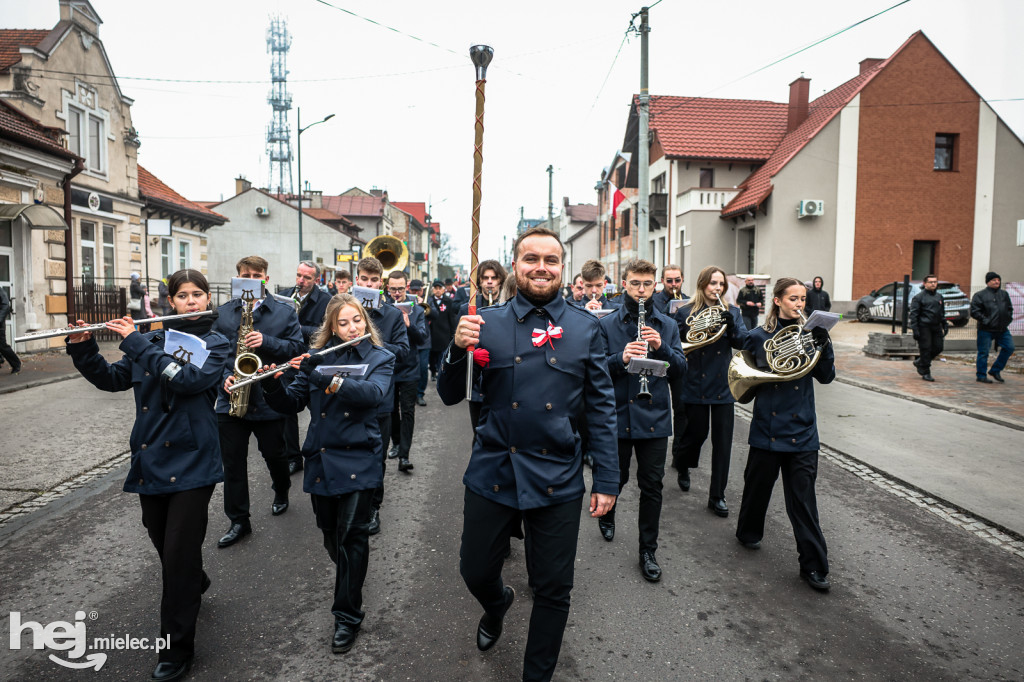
pixel 641 320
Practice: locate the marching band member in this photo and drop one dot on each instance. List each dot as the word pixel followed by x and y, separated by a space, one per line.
pixel 643 425
pixel 545 359
pixel 175 461
pixel 343 447
pixel 276 337
pixel 593 288
pixel 391 327
pixel 490 279
pixel 310 305
pixel 407 372
pixel 671 289
pixel 784 436
pixel 705 389
pixel 443 318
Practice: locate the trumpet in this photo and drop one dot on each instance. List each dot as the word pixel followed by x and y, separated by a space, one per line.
pixel 791 355
pixel 262 374
pixel 102 326
pixel 641 322
pixel 705 327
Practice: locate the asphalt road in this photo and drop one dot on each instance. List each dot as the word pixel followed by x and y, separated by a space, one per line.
pixel 913 597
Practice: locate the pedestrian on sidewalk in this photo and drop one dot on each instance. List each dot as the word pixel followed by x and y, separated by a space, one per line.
pixel 175 461
pixel 928 322
pixel 817 297
pixel 750 299
pixel 992 308
pixel 5 349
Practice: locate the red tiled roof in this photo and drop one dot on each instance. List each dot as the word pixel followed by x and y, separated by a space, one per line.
pixel 17 126
pixel 417 209
pixel 355 206
pixel 13 38
pixel 151 187
pixel 323 214
pixel 585 213
pixel 733 129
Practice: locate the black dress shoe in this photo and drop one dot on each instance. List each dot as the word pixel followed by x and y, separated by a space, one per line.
pixel 489 629
pixel 17 370
pixel 649 567
pixel 995 375
pixel 280 506
pixel 927 377
pixel 756 544
pixel 374 527
pixel 420 401
pixel 684 480
pixel 718 506
pixel 393 452
pixel 344 637
pixel 205 585
pixel 234 534
pixel 607 527
pixel 294 466
pixel 984 380
pixel 171 670
pixel 405 465
pixel 816 580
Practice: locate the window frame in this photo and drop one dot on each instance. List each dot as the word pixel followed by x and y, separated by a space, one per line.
pixel 952 146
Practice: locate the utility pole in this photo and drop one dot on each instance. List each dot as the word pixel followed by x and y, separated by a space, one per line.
pixel 551 204
pixel 644 170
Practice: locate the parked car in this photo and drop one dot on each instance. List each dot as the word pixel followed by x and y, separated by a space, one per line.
pixel 878 305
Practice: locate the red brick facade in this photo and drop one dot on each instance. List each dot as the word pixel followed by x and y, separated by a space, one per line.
pixel 900 198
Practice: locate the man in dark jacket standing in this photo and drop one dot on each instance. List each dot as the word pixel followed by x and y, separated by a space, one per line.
pixel 992 308
pixel 310 304
pixel 443 312
pixel 749 300
pixel 5 350
pixel 928 322
pixel 817 297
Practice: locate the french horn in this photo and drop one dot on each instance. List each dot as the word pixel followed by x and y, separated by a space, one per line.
pixel 705 327
pixel 791 354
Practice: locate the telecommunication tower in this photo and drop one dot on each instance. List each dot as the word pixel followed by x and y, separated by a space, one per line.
pixel 279 143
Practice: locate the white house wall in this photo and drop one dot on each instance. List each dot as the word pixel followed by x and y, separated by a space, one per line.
pixel 1006 257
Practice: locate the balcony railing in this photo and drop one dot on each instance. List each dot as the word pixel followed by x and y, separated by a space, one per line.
pixel 704 199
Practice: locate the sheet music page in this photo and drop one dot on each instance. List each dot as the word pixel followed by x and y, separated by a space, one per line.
pixel 820 318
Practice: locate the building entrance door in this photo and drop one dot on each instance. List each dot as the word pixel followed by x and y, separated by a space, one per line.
pixel 924 259
pixel 7 273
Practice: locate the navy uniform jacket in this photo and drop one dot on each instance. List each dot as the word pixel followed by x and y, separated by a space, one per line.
pixel 639 420
pixel 343 447
pixel 606 303
pixel 171 451
pixel 442 321
pixel 706 381
pixel 662 299
pixel 527 451
pixel 282 341
pixel 314 307
pixel 391 326
pixel 408 368
pixel 784 418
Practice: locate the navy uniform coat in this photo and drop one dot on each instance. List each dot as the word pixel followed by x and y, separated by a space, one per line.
pixel 314 307
pixel 527 451
pixel 784 418
pixel 662 299
pixel 388 321
pixel 639 420
pixel 408 368
pixel 606 303
pixel 282 341
pixel 442 321
pixel 706 381
pixel 171 451
pixel 343 447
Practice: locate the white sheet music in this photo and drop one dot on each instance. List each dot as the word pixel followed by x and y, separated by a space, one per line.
pixel 369 298
pixel 240 284
pixel 820 318
pixel 344 371
pixel 185 348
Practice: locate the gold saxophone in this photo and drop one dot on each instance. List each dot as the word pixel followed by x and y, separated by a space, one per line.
pixel 247 363
pixel 705 327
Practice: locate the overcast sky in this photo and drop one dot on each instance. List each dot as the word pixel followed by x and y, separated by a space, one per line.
pixel 404 108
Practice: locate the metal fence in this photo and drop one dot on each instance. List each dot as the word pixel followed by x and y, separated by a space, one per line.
pixel 97 302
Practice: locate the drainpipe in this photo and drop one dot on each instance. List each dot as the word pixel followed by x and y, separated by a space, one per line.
pixel 69 241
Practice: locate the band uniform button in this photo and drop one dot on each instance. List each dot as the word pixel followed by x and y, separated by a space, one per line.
pixel 550 491
pixel 145 409
pixel 323 449
pixel 773 414
pixel 631 401
pixel 627 429
pixel 174 479
pixel 518 359
pixel 317 480
pixel 794 441
pixel 543 451
pixel 144 446
pixel 496 488
pixel 512 450
pixel 167 443
pixel 652 429
pixel 146 373
pixel 554 361
pixel 515 406
pixel 141 481
pixel 773 439
pixel 346 415
pixel 547 406
pixel 323 415
pixel 353 477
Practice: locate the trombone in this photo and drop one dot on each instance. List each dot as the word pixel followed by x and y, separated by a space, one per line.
pixel 102 326
pixel 269 373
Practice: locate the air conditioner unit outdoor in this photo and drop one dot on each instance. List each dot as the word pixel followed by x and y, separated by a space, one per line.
pixel 810 208
pixel 262 210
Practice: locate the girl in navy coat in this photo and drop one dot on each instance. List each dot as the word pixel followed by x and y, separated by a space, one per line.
pixel 784 437
pixel 343 449
pixel 705 396
pixel 175 461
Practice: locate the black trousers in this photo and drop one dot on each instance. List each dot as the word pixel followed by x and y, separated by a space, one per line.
pixel 177 526
pixel 721 418
pixel 234 452
pixel 403 419
pixel 650 469
pixel 799 472
pixel 929 344
pixel 384 422
pixel 550 543
pixel 435 361
pixel 5 349
pixel 344 521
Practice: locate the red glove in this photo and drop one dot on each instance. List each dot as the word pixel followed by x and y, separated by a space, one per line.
pixel 481 357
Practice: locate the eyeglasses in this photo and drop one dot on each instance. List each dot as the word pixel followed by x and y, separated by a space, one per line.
pixel 677 280
pixel 647 284
pixel 396 290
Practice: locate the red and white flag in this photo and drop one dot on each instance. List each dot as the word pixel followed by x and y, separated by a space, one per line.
pixel 617 198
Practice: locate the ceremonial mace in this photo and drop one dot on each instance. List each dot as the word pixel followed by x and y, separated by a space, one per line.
pixel 481 56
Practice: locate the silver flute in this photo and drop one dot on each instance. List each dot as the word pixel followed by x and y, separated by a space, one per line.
pixel 102 326
pixel 271 372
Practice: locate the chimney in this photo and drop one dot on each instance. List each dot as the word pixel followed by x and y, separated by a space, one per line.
pixel 242 185
pixel 798 93
pixel 869 63
pixel 315 198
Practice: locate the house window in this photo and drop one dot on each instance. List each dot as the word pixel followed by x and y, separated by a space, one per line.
pixel 75 130
pixel 108 255
pixel 184 255
pixel 707 177
pixel 95 144
pixel 86 135
pixel 945 151
pixel 625 222
pixel 658 185
pixel 88 251
pixel 166 247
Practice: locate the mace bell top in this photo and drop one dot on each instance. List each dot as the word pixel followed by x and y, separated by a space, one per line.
pixel 481 56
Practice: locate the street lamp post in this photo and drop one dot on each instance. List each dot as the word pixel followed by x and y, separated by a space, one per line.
pixel 298 123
